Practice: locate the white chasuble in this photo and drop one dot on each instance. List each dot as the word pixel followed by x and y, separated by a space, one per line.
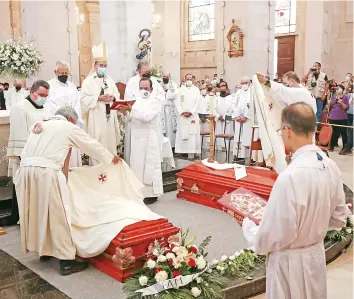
pixel 306 201
pixel 66 95
pixel 98 126
pixel 22 116
pixel 146 145
pixel 188 129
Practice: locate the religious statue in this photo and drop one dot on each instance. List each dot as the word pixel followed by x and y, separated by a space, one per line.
pixel 235 37
pixel 144 45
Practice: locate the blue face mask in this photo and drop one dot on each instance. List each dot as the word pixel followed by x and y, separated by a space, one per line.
pixel 41 101
pixel 347 78
pixel 101 71
pixel 339 91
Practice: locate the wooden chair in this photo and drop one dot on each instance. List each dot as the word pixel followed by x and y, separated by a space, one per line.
pixel 203 134
pixel 226 137
pixel 121 88
pixel 324 138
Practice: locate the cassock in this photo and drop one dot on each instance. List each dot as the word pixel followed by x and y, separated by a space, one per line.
pixel 243 132
pixel 146 145
pixel 98 126
pixel 131 93
pixel 22 116
pixel 81 218
pixel 62 95
pixel 206 104
pixel 12 96
pixel 188 129
pixel 223 107
pixel 169 112
pixel 306 201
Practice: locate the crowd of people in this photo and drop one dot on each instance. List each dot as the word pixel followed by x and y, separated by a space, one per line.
pixel 46 139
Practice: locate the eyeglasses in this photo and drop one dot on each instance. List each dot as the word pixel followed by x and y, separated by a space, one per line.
pixel 280 130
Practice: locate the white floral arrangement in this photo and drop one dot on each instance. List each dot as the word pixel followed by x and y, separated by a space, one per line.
pixel 19 60
pixel 157 70
pixel 178 269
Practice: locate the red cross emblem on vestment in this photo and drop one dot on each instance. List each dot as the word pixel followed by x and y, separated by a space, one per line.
pixel 270 106
pixel 102 178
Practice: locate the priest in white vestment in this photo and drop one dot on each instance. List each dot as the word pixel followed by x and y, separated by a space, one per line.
pixel 132 91
pixel 188 129
pixel 206 104
pixel 63 93
pixel 223 108
pixel 23 115
pixel 169 112
pixel 15 94
pixel 57 221
pixel 146 141
pixel 306 201
pixel 98 92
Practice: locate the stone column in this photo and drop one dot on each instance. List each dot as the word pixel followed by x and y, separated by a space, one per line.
pixel 121 22
pixel 54 42
pixel 16 19
pixel 93 9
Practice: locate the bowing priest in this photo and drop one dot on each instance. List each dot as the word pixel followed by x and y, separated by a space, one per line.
pixel 15 94
pixel 23 115
pixel 223 108
pixel 63 93
pixel 43 196
pixel 98 92
pixel 188 129
pixel 146 140
pixel 306 201
pixel 169 112
pixel 132 91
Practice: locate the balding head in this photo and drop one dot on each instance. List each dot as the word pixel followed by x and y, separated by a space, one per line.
pixel 18 84
pixel 300 118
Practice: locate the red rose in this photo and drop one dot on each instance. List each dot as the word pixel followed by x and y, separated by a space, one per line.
pixel 193 249
pixel 172 246
pixel 170 262
pixel 176 273
pixel 157 270
pixel 192 263
pixel 167 251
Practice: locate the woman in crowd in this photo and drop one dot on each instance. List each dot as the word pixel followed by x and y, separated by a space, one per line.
pixel 338 106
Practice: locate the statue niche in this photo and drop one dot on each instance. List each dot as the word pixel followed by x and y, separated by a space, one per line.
pixel 235 37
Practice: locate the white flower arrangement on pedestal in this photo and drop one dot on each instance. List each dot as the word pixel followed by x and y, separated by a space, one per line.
pixel 18 59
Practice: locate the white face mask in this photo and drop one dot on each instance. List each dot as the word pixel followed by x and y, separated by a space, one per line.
pixel 203 92
pixel 188 83
pixel 244 87
pixel 144 93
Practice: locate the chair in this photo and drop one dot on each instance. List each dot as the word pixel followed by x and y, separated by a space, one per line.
pixel 203 134
pixel 229 137
pixel 324 138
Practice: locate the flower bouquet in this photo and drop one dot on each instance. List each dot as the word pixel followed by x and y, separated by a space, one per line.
pixel 176 270
pixel 19 59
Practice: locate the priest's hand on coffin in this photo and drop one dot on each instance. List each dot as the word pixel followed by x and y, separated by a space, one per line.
pixel 104 98
pixel 115 160
pixel 261 78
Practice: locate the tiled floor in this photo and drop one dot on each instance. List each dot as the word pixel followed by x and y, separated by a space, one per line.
pixel 339 277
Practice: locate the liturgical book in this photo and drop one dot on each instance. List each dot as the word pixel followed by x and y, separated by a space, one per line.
pixel 243 203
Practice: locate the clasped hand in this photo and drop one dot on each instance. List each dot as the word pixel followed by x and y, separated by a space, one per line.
pixel 106 98
pixel 186 114
pixel 241 119
pixel 124 108
pixel 115 160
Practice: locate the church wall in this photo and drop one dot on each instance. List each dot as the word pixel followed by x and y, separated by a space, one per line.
pixel 253 18
pixel 52 26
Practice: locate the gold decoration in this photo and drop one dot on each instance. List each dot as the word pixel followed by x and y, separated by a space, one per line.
pixel 235 37
pixel 124 258
pixel 195 189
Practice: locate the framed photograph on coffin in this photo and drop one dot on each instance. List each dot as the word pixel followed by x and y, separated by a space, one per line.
pixel 243 203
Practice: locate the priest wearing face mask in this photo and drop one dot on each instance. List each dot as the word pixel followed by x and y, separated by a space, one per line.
pixel 98 92
pixel 223 108
pixel 63 93
pixel 169 112
pixel 188 130
pixel 146 140
pixel 15 94
pixel 23 115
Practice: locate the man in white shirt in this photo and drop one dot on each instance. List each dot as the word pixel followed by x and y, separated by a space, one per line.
pixel 306 201
pixel 15 94
pixel 188 130
pixel 63 93
pixel 146 140
pixel 169 112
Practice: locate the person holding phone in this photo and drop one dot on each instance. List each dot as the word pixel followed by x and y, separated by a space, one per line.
pixel 315 81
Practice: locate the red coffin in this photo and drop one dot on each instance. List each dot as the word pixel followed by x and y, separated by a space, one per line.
pixel 128 250
pixel 203 185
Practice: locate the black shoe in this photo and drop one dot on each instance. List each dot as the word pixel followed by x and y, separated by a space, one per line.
pixel 68 267
pixel 150 200
pixel 44 258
